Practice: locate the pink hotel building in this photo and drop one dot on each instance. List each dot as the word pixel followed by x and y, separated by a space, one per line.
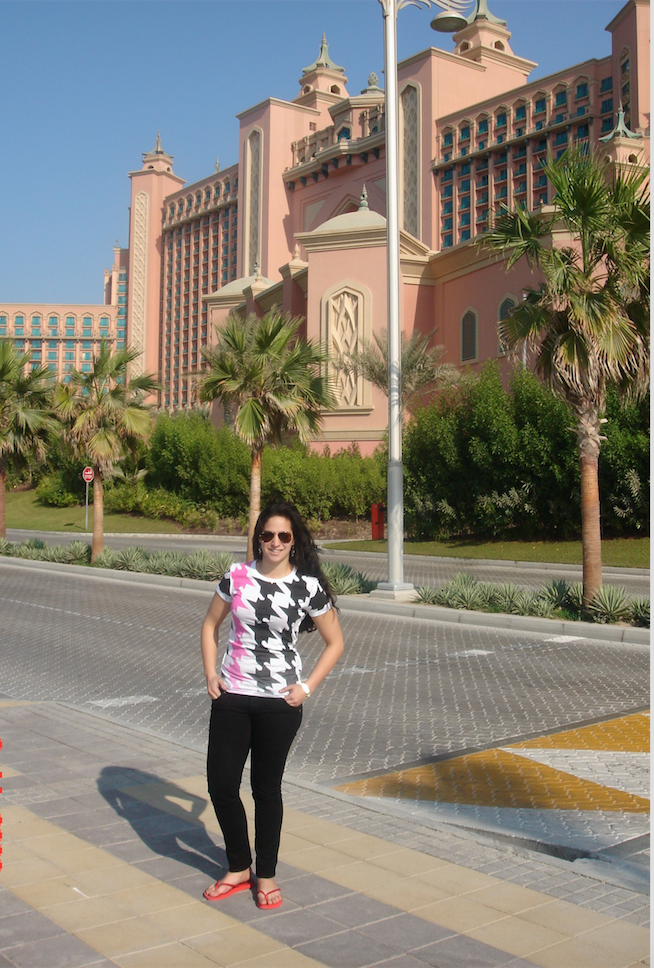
pixel 299 221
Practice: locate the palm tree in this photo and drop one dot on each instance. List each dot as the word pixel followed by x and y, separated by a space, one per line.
pixel 25 413
pixel 421 370
pixel 105 414
pixel 270 382
pixel 587 324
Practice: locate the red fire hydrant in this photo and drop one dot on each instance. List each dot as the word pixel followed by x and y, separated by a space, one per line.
pixel 377 519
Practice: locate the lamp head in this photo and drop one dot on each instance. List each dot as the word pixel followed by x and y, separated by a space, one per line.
pixel 448 22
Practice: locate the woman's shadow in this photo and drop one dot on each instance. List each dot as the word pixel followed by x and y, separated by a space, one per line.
pixel 163 832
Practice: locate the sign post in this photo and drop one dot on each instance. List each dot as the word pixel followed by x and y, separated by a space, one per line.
pixel 87 477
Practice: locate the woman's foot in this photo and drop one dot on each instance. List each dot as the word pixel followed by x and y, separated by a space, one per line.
pixel 232 883
pixel 269 895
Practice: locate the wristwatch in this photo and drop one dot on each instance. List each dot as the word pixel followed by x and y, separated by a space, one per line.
pixel 304 686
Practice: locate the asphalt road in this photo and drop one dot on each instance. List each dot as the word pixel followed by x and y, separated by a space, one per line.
pixel 407 689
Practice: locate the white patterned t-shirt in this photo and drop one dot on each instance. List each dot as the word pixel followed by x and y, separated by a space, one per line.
pixel 261 657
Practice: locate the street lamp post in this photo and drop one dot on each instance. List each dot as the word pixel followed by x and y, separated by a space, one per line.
pixel 449 20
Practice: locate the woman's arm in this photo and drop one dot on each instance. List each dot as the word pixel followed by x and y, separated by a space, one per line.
pixel 217 612
pixel 330 630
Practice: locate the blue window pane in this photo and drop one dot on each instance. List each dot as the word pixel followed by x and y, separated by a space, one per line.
pixel 606 85
pixel 560 99
pixel 607 105
pixel 500 121
pixel 86 367
pixel 539 106
pixel 520 113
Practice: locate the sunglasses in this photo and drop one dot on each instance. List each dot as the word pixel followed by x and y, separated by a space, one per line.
pixel 284 536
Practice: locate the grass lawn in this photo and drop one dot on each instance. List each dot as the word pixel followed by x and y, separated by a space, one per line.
pixel 24 511
pixel 616 552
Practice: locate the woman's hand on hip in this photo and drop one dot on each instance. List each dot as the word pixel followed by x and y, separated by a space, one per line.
pixel 295 694
pixel 215 686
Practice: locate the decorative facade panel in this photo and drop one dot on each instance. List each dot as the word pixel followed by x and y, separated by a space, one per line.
pixel 253 197
pixel 410 156
pixel 344 337
pixel 139 281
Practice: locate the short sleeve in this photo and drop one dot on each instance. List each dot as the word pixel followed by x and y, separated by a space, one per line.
pixel 224 588
pixel 319 602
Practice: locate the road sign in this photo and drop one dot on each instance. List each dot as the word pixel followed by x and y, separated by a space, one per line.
pixel 87 474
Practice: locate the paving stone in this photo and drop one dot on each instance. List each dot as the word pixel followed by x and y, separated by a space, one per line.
pixel 64 951
pixel 462 952
pixel 347 950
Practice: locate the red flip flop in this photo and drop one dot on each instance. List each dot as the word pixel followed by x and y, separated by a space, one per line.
pixel 244 886
pixel 268 907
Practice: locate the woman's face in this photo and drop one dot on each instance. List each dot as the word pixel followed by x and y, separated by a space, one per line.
pixel 276 551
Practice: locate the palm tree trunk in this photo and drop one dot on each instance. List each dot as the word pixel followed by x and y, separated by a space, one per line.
pixel 591 536
pixel 255 498
pixel 98 515
pixel 3 498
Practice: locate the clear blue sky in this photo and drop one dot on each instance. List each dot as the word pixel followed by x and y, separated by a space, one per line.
pixel 88 83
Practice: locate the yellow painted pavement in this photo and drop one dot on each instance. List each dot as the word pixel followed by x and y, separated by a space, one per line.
pixel 501 778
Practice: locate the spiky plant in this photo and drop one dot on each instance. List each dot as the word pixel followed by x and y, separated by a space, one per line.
pixel 78 553
pixel 639 612
pixel 610 604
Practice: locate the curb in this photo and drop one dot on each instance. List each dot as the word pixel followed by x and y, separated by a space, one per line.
pixel 493 562
pixel 625 635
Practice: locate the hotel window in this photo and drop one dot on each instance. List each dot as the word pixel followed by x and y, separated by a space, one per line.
pixel 468 337
pixel 624 66
pixel 19 344
pixel 465 235
pixel 86 356
pixel 36 344
pixel 122 300
pixel 465 217
pixel 482 127
pixel 561 138
pixel 582 131
pixel 69 356
pixel 86 345
pixel 446 191
pixel 447 241
pixel 447 208
pixel 464 186
pixel 607 124
pixel 464 201
pixel 53 344
pixel 465 133
pixel 520 112
pixel 465 169
pixel 560 99
pixel 447 175
pixel 539 105
pixel 447 139
pixel 582 91
pixel 606 85
pixel 447 225
pixel 122 311
pixel 52 355
pixel 122 288
pixel 607 106
pixel 500 120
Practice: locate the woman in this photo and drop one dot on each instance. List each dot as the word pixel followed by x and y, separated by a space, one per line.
pixel 258 695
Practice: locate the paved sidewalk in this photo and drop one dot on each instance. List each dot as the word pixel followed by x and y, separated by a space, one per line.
pixel 109 841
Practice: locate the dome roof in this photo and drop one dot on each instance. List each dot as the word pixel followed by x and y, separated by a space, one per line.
pixel 363 218
pixel 238 286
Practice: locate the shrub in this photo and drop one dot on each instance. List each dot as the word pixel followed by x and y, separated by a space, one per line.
pixel 482 460
pixel 344 580
pixel 639 611
pixel 52 491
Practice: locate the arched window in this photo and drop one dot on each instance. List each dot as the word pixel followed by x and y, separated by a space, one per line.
pixel 344 133
pixel 498 45
pixel 180 207
pixel 335 89
pixel 469 337
pixel 506 308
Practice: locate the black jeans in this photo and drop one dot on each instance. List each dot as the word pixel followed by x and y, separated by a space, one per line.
pixel 265 728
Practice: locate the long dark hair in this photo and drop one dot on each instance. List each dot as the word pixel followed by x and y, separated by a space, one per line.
pixel 304 554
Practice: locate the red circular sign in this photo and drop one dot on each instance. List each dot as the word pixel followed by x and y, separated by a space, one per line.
pixel 87 474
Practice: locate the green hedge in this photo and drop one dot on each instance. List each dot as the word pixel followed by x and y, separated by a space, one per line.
pixel 189 457
pixel 481 460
